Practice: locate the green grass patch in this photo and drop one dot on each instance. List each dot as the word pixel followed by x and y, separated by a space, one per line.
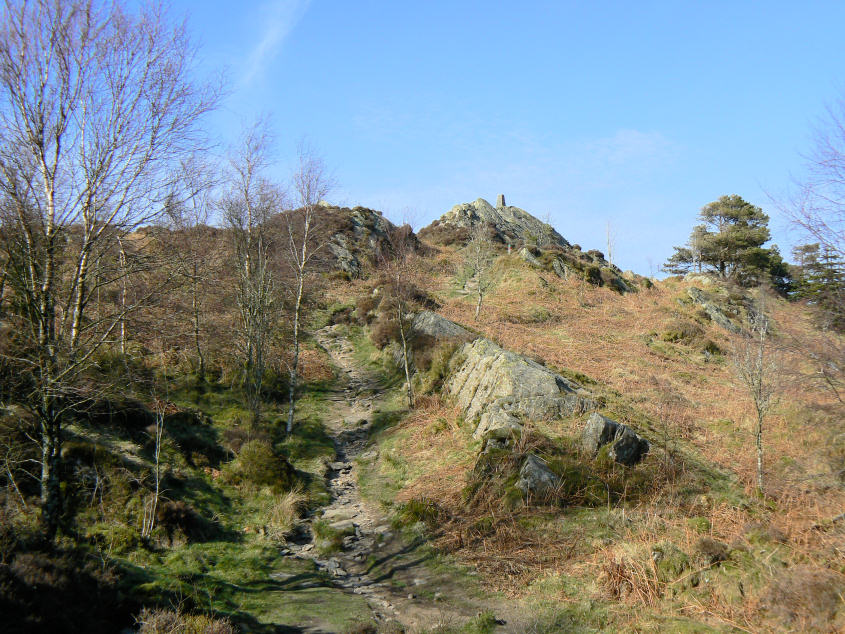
pixel 250 583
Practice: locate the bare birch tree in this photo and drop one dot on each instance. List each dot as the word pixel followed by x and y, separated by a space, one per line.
pixel 249 202
pixel 818 206
pixel 148 520
pixel 97 105
pixel 398 261
pixel 188 211
pixel 479 256
pixel 311 185
pixel 757 366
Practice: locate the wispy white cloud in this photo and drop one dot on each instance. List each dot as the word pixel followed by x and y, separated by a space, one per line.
pixel 631 147
pixel 277 18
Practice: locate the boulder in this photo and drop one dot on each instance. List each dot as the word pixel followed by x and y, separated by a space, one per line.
pixel 536 478
pixel 497 424
pixel 529 257
pixel 562 269
pixel 489 373
pixel 626 447
pixel 433 325
pixel 698 278
pixel 714 312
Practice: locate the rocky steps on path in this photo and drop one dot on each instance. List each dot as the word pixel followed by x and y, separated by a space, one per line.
pixel 374 561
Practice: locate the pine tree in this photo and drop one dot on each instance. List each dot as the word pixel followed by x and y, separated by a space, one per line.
pixel 729 242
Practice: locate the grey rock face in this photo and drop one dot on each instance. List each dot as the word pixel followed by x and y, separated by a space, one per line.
pixel 699 278
pixel 500 386
pixel 627 447
pixel 511 223
pixel 489 373
pixel 497 424
pixel 715 313
pixel 364 230
pixel 430 323
pixel 346 260
pixel 562 269
pixel 536 478
pixel 529 257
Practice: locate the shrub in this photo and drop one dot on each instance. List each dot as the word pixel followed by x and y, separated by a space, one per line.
pixel 447 235
pixel 180 518
pixel 259 465
pixel 61 591
pixel 384 331
pixel 682 331
pixel 283 511
pixel 628 579
pixel 159 621
pixel 592 275
pixel 125 414
pixel 341 315
pixel 806 596
pixel 195 437
pixel 712 551
pixel 417 510
pixel 365 306
pixel 236 437
pixel 114 537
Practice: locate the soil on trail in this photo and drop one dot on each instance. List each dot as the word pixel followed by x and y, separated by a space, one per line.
pixel 393 574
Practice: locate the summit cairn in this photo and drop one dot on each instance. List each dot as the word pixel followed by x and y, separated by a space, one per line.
pixel 500 201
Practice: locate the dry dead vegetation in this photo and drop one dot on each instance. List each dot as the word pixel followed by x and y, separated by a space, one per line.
pixel 679 541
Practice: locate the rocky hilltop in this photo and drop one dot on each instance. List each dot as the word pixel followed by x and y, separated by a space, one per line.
pixel 533 240
pixel 512 225
pixel 353 237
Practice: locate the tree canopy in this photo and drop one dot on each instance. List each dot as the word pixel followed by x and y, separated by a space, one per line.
pixel 729 242
pixel 819 278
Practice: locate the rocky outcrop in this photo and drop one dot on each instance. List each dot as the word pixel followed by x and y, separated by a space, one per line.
pixel 500 387
pixel 345 259
pixel 355 236
pixel 715 313
pixel 536 478
pixel 626 446
pixel 431 324
pixel 562 269
pixel 529 257
pixel 534 241
pixel 511 224
pixel 701 279
pixel 498 425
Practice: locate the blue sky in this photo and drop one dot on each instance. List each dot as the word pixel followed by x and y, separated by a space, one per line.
pixel 633 113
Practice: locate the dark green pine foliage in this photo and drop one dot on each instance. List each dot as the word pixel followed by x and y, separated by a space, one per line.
pixel 729 242
pixel 820 279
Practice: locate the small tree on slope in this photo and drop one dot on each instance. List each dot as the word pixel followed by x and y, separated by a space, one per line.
pixel 479 256
pixel 757 366
pixel 312 185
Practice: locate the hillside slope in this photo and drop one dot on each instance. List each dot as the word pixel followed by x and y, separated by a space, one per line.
pixel 659 363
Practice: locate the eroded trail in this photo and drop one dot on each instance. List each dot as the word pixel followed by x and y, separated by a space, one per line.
pixel 391 573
